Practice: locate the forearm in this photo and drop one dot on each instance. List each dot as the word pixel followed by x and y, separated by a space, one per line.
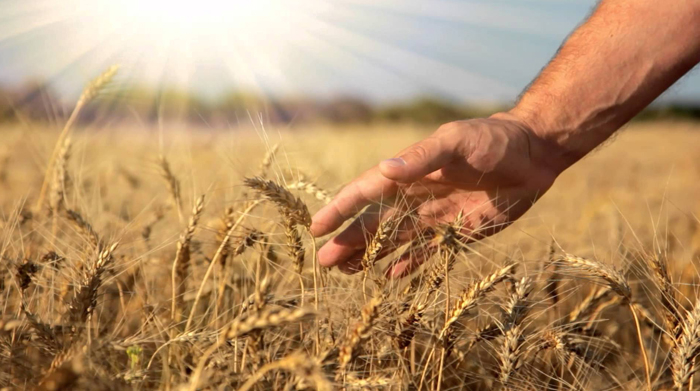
pixel 614 65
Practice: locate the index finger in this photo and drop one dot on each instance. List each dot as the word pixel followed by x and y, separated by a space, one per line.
pixel 369 188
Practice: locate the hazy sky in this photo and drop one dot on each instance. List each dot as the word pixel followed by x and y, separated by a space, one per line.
pixel 380 49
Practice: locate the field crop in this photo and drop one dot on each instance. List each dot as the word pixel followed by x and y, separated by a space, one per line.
pixel 180 259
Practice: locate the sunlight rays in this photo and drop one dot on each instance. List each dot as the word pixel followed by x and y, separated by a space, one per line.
pixel 272 47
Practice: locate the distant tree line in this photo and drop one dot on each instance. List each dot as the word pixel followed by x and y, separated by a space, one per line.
pixel 37 102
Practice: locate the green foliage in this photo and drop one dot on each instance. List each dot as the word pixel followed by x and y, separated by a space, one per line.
pixel 134 352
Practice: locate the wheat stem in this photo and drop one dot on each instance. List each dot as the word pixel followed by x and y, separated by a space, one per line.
pixel 214 260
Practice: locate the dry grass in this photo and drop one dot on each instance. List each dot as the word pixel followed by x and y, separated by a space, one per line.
pixel 233 298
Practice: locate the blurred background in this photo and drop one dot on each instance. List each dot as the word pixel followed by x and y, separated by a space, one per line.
pixel 221 64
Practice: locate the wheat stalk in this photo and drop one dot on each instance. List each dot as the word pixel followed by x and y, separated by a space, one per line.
pixel 378 242
pixel 173 184
pixel 615 279
pixel 295 247
pixel 90 92
pixel 265 319
pixel 57 199
pixel 267 160
pixel 409 326
pixel 84 227
pixel 584 309
pixel 657 263
pixel 85 299
pixel 226 223
pixel 247 241
pixel 214 261
pixel 472 294
pixel 359 332
pixel 372 382
pixel 514 310
pixel 374 248
pixel 299 363
pixel 552 285
pixel 618 283
pixel 8 325
pixel 182 260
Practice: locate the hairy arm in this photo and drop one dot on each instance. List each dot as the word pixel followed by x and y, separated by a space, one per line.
pixel 492 170
pixel 610 68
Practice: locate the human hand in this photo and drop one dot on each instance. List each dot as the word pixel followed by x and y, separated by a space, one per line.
pixel 492 170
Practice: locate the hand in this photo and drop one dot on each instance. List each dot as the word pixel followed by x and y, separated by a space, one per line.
pixel 492 170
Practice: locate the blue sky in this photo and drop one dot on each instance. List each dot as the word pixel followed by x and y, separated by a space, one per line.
pixel 383 50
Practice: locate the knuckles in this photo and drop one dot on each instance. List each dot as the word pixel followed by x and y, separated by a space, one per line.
pixel 420 151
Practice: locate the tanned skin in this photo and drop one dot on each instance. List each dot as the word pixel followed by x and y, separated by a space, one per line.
pixel 493 169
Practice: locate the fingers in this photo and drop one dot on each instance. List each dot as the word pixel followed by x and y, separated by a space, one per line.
pixel 347 248
pixel 369 188
pixel 410 260
pixel 351 241
pixel 418 160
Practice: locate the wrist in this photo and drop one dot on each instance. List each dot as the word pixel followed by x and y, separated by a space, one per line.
pixel 558 136
pixel 547 149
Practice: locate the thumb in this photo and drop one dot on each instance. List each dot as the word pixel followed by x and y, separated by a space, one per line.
pixel 417 161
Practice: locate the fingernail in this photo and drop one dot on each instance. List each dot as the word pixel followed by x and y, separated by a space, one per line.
pixel 394 162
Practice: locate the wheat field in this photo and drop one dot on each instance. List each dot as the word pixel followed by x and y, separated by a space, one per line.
pixel 180 259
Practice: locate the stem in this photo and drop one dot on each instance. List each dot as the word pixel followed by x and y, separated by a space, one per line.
pixel 425 369
pixel 692 370
pixel 315 265
pixel 214 261
pixel 258 375
pixel 647 372
pixel 203 361
pixel 364 284
pixel 440 369
pixel 173 283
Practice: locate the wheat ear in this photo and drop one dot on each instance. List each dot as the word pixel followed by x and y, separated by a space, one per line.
pixel 57 199
pixel 173 184
pixel 514 310
pixel 89 93
pixel 618 283
pixel 295 247
pixel 305 367
pixel 614 279
pixel 310 188
pixel 267 160
pixel 448 248
pixel 182 261
pixel 266 319
pixel 380 239
pixel 472 294
pixel 510 354
pixel 359 332
pixel 552 286
pixel 84 227
pixel 657 263
pixel 410 324
pixel 686 349
pixel 290 206
pixel 85 300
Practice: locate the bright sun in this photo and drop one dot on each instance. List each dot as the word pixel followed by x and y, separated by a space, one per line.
pixel 270 47
pixel 166 40
pixel 180 19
